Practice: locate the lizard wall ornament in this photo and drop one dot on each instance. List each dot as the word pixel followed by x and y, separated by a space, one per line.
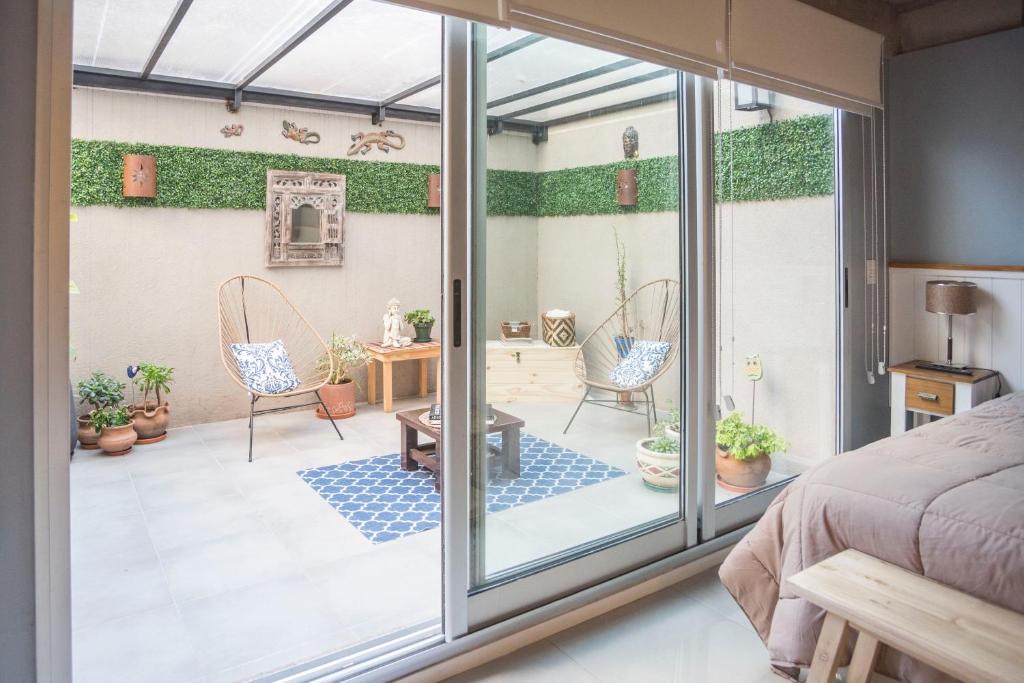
pixel 362 143
pixel 303 135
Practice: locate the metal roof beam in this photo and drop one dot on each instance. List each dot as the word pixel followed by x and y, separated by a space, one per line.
pixel 612 108
pixel 562 82
pixel 635 80
pixel 305 32
pixel 165 36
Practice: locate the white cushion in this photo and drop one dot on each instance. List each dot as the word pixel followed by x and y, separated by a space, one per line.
pixel 265 368
pixel 642 362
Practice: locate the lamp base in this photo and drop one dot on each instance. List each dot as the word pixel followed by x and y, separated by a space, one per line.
pixel 943 367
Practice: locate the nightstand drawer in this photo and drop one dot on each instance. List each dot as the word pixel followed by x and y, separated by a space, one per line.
pixel 928 396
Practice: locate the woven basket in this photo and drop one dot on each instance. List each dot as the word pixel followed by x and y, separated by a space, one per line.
pixel 515 329
pixel 559 331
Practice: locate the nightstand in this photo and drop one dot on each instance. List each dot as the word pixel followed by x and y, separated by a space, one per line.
pixel 917 395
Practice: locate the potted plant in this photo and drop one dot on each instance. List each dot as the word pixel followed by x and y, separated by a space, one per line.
pixel 115 428
pixel 423 321
pixel 673 426
pixel 658 459
pixel 151 417
pixel 744 453
pixel 339 394
pixel 98 391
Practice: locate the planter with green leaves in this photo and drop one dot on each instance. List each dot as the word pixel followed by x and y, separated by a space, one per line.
pixel 152 416
pixel 115 428
pixel 744 453
pixel 658 460
pixel 99 391
pixel 423 322
pixel 673 427
pixel 339 394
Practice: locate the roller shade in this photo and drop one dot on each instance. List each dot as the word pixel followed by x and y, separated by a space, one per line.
pixel 486 11
pixel 684 34
pixel 793 48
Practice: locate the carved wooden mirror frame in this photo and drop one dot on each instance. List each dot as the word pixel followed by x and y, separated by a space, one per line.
pixel 289 190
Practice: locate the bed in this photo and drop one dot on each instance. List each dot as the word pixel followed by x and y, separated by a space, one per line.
pixel 945 500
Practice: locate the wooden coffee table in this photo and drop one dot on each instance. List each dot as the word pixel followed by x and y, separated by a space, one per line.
pixel 428 454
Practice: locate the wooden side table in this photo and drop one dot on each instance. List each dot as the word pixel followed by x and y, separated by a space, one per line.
pixel 915 391
pixel 386 356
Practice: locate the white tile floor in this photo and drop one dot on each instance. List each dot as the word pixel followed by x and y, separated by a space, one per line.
pixel 690 633
pixel 191 564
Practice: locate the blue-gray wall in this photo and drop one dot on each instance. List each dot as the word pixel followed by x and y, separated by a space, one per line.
pixel 17 545
pixel 956 152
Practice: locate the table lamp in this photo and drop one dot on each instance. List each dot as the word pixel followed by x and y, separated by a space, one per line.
pixel 949 298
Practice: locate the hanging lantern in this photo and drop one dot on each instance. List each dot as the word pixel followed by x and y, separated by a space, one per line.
pixel 434 191
pixel 625 187
pixel 139 175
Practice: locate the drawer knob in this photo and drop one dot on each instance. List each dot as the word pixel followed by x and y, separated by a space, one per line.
pixel 926 396
pixel 518 359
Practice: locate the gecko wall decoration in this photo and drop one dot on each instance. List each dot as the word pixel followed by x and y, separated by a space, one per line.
pixel 235 129
pixel 362 143
pixel 303 135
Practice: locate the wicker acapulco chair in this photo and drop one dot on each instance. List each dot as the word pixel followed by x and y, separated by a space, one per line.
pixel 650 313
pixel 253 310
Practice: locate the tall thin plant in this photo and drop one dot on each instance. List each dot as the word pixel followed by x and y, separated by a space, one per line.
pixel 620 283
pixel 153 379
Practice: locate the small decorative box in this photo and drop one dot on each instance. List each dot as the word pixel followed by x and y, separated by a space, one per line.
pixel 515 330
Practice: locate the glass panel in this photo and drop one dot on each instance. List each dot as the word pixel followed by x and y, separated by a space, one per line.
pixel 578 282
pixel 118 34
pixel 305 224
pixel 776 321
pixel 223 40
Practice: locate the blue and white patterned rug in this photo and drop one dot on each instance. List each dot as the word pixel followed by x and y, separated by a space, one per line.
pixel 384 502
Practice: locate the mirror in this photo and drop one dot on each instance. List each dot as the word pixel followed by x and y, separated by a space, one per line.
pixel 305 224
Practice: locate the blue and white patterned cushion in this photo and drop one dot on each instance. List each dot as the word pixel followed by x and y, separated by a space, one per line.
pixel 265 368
pixel 642 362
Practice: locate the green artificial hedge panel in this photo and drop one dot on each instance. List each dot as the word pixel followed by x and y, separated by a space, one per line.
pixel 788 159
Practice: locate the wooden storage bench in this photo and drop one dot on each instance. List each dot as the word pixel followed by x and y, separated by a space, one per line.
pixel 531 372
pixel 958 634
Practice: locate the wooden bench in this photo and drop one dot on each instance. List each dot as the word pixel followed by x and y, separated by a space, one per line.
pixel 951 631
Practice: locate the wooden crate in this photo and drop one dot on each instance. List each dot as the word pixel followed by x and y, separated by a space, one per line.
pixel 531 372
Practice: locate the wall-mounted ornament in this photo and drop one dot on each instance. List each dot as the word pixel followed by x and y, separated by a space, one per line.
pixel 386 141
pixel 303 135
pixel 234 130
pixel 625 187
pixel 434 191
pixel 305 218
pixel 630 143
pixel 139 178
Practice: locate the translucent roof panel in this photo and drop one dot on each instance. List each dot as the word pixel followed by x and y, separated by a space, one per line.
pixel 118 34
pixel 223 40
pixel 658 86
pixel 370 50
pixel 431 97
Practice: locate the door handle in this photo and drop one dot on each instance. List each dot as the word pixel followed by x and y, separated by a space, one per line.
pixel 457 313
pixel 925 396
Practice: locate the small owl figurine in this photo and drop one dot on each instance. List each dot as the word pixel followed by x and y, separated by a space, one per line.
pixel 630 143
pixel 752 367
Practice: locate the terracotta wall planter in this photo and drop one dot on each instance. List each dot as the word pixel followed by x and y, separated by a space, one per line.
pixel 741 476
pixel 340 399
pixel 118 440
pixel 151 422
pixel 659 470
pixel 88 439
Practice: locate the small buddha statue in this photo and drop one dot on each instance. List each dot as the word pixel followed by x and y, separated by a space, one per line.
pixel 393 327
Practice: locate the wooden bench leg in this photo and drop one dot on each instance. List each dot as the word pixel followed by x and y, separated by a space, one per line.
pixel 410 437
pixel 386 381
pixel 424 375
pixel 826 653
pixel 865 653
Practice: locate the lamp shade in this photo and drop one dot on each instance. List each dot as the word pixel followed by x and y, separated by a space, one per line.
pixel 950 297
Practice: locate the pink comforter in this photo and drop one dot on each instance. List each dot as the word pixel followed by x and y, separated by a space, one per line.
pixel 945 500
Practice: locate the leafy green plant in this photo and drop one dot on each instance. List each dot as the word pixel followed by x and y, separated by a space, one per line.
pixel 153 379
pixel 420 316
pixel 110 416
pixel 746 441
pixel 100 391
pixel 348 353
pixel 662 444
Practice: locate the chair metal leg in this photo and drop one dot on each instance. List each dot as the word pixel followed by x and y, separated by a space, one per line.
pixel 654 406
pixel 576 412
pixel 329 417
pixel 647 411
pixel 252 408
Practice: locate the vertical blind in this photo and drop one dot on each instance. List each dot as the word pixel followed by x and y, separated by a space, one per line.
pixel 783 45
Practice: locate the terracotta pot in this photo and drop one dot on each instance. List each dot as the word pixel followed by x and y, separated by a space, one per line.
pixel 659 470
pixel 87 437
pixel 340 399
pixel 151 422
pixel 118 440
pixel 742 475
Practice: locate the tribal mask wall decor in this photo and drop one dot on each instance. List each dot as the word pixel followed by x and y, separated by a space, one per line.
pixel 630 143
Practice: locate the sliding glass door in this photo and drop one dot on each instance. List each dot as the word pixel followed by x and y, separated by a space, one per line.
pixel 575 341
